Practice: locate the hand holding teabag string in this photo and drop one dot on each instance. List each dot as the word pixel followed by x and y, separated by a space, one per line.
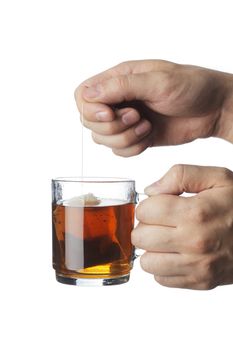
pixel 166 104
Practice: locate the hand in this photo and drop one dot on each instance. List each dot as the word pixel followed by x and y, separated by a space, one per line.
pixel 188 240
pixel 139 104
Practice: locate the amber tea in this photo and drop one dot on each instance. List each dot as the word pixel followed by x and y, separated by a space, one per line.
pixel 93 241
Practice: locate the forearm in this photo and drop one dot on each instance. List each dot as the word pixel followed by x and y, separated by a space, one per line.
pixel 224 127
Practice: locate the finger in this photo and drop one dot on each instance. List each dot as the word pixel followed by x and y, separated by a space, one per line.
pixel 165 264
pixel 187 282
pixel 176 282
pixel 125 117
pixel 126 138
pixel 130 67
pixel 96 112
pixel 127 88
pixel 123 68
pixel 99 78
pixel 163 209
pixel 190 178
pixel 134 149
pixel 92 111
pixel 155 238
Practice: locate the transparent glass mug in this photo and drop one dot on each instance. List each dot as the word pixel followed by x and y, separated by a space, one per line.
pixel 92 223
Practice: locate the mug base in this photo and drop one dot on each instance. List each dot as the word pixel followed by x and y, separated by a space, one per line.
pixel 92 282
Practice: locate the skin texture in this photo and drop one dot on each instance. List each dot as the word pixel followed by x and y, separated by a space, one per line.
pixel 139 104
pixel 188 240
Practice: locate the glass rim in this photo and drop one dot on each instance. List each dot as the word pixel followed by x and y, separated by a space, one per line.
pixel 92 179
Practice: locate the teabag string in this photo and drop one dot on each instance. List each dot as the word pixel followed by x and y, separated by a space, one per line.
pixel 90 198
pixel 82 144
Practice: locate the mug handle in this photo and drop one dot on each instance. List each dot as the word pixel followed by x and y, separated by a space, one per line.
pixel 138 252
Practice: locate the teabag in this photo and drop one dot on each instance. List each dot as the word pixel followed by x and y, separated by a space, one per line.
pixel 84 200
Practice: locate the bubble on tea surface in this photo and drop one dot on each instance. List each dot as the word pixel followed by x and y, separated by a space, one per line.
pixel 81 201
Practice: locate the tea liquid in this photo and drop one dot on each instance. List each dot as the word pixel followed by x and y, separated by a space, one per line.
pixel 93 241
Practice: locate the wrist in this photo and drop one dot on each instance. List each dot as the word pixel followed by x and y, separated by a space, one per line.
pixel 224 125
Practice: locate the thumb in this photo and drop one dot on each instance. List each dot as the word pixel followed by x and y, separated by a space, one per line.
pixel 191 179
pixel 122 88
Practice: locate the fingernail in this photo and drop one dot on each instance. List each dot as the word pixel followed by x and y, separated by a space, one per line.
pixel 142 128
pixel 92 91
pixel 103 116
pixel 130 118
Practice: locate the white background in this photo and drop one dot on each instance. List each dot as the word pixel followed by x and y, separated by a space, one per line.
pixel 47 48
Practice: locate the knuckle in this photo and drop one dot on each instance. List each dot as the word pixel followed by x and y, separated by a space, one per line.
pixel 109 129
pixel 124 140
pixel 206 244
pixel 227 174
pixel 177 168
pixel 167 281
pixel 144 262
pixel 167 83
pixel 177 171
pixel 202 245
pixel 167 74
pixel 85 123
pixel 162 280
pixel 95 138
pixel 207 285
pixel 130 151
pixel 122 64
pixel 123 67
pixel 123 83
pixel 164 64
pixel 140 212
pixel 199 214
pixel 209 267
pixel 126 153
pixel 135 238
pixel 139 148
pixel 205 277
pixel 171 66
pixel 118 152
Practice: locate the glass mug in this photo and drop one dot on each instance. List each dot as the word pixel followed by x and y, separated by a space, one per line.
pixel 92 221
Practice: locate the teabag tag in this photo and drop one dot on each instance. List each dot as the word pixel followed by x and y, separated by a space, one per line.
pixel 85 200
